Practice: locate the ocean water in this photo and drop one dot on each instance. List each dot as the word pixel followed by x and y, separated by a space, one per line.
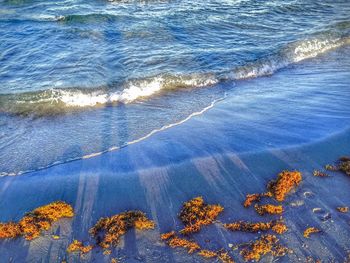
pixel 78 78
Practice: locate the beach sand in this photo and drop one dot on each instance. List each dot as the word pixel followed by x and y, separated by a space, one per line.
pixel 158 174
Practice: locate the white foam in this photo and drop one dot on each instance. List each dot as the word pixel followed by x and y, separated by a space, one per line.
pixel 293 53
pixel 132 91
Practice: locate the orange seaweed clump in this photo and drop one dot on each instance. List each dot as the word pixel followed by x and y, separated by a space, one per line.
pixel 310 231
pixel 168 235
pixel 43 217
pixel 266 244
pixel 77 246
pixel 252 198
pixel 108 230
pixel 276 226
pixel 286 181
pixel 248 226
pixel 279 228
pixel 174 241
pixel 343 209
pixel 196 213
pixel 207 253
pixel 268 209
pixel 9 230
pixel 223 256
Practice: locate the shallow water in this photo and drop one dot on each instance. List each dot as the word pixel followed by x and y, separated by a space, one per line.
pixel 81 77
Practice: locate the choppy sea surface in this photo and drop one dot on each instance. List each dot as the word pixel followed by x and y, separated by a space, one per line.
pixel 79 78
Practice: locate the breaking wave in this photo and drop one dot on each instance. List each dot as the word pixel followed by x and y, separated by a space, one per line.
pixel 56 101
pixel 293 53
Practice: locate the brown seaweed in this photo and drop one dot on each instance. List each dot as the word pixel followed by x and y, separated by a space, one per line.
pixel 77 246
pixel 9 230
pixel 276 226
pixel 343 165
pixel 318 173
pixel 108 230
pixel 310 230
pixel 254 198
pixel 195 213
pixel 264 245
pixel 343 209
pixel 268 209
pixel 286 182
pixel 207 253
pixel 41 218
pixel 174 241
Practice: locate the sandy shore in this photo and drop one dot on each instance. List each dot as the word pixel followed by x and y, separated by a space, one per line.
pixel 158 174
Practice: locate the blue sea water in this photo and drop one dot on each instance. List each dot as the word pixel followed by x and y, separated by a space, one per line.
pixel 82 77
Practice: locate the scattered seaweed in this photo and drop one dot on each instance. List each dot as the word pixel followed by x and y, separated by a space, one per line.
pixel 77 246
pixel 41 218
pixel 108 230
pixel 224 257
pixel 286 182
pixel 250 199
pixel 276 226
pixel 318 173
pixel 195 213
pixel 207 253
pixel 262 246
pixel 343 209
pixel 310 230
pixel 344 165
pixel 254 198
pixel 279 228
pixel 174 241
pixel 330 167
pixel 107 252
pixel 268 209
pixel 168 235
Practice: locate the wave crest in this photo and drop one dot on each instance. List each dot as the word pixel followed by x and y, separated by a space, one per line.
pixel 55 101
pixel 293 53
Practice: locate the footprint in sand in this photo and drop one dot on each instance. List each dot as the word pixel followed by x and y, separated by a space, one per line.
pixel 309 194
pixel 322 214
